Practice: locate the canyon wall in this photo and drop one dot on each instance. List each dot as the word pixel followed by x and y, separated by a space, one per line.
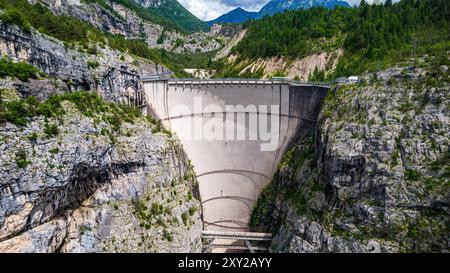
pixel 374 175
pixel 92 188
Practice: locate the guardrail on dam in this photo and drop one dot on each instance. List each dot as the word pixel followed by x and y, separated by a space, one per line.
pixel 235 132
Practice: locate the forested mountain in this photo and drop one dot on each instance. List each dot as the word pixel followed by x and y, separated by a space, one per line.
pixel 105 28
pixel 370 35
pixel 279 6
pixel 175 12
pixel 168 13
pixel 240 15
pixel 87 166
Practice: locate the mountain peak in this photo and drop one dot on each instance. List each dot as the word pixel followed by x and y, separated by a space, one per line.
pixel 277 6
pixel 170 10
pixel 240 15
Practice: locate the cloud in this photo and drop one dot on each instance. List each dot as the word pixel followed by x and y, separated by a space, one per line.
pixel 211 9
pixel 356 2
pixel 251 5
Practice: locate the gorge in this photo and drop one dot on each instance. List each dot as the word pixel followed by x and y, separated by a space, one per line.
pixel 97 154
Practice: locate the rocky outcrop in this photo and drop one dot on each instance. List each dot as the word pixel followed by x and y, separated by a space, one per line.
pixel 225 52
pixel 95 188
pixel 112 74
pixel 227 30
pixel 46 238
pixel 375 176
pixel 300 69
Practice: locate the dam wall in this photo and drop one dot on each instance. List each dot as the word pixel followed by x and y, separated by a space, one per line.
pixel 235 133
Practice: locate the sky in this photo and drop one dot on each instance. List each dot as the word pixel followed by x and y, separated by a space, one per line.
pixel 211 9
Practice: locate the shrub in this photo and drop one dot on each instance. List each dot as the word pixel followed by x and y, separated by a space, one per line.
pixel 93 64
pixel 192 211
pixel 33 137
pixel 412 175
pixel 114 120
pixel 54 150
pixel 21 159
pixel 178 43
pixel 167 235
pixel 92 50
pixel 88 103
pixel 14 17
pixel 157 209
pixel 185 218
pixel 395 157
pixel 20 70
pixel 161 38
pixel 18 111
pixel 51 130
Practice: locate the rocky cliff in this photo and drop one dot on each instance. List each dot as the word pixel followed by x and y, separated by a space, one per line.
pixel 115 18
pixel 93 177
pixel 78 172
pixel 374 176
pixel 298 68
pixel 113 74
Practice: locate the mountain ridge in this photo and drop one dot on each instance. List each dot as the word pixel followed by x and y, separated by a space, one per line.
pixel 168 13
pixel 240 15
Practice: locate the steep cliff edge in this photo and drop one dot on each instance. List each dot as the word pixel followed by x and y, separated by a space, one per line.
pixel 374 176
pixel 113 74
pixel 83 175
pixel 77 173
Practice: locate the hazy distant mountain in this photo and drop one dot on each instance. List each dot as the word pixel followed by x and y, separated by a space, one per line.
pixel 277 6
pixel 240 15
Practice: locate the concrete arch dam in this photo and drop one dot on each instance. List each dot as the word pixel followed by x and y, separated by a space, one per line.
pixel 235 133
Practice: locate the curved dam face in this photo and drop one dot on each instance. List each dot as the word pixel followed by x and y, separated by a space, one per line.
pixel 235 132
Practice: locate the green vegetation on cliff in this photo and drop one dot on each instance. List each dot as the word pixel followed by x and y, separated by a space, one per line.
pixel 88 103
pixel 372 36
pixel 14 17
pixel 22 71
pixel 171 15
pixel 76 32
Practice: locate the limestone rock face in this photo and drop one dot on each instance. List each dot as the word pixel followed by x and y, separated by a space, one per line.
pixel 114 75
pixel 374 176
pixel 46 238
pixel 117 19
pixel 81 191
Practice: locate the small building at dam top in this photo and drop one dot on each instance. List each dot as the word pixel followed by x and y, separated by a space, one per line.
pixel 235 132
